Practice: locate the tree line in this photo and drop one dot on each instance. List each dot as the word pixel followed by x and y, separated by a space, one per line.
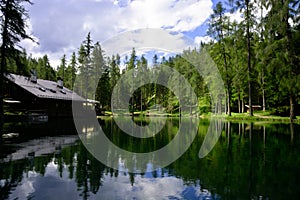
pixel 259 56
pixel 258 59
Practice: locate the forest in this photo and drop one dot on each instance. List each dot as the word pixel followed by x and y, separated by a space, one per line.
pixel 258 58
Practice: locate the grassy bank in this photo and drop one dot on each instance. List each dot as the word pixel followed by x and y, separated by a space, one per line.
pixel 258 116
pixel 145 113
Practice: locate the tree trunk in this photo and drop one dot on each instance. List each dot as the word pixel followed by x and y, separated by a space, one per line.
pixel 141 100
pixel 3 65
pixel 243 105
pixel 249 58
pixel 216 106
pixel 226 104
pixel 220 105
pixel 180 111
pixel 262 69
pixel 250 138
pixel 191 102
pixel 264 100
pixel 228 101
pixel 292 107
pixel 291 54
pixel 1 85
pixel 292 128
pixel 239 100
pixel 228 133
pixel 227 110
pixel 243 128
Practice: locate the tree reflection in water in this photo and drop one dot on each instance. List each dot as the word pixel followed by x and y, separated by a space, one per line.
pixel 250 160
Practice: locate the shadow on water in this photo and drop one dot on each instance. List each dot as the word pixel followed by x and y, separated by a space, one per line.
pixel 250 161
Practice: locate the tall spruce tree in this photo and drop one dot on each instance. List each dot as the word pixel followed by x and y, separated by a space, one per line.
pixel 218 28
pixel 72 69
pixel 13 24
pixel 247 7
pixel 282 21
pixel 85 66
pixel 100 70
pixel 61 71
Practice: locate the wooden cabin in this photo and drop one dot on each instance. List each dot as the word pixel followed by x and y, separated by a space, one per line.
pixel 33 96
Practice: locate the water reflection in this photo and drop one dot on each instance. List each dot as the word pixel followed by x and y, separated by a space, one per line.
pixel 250 161
pixel 124 151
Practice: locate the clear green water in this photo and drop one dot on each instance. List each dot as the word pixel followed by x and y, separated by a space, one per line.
pixel 250 161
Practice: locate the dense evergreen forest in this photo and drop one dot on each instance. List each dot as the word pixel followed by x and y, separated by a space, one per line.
pixel 257 57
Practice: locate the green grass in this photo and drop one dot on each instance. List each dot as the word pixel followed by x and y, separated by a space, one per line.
pixel 258 116
pixel 107 113
pixel 145 113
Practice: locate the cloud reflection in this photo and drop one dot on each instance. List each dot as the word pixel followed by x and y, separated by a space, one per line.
pixel 52 186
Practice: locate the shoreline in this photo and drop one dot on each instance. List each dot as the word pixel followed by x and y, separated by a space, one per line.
pixel 263 117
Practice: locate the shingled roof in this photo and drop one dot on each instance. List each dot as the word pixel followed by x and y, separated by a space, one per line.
pixel 44 88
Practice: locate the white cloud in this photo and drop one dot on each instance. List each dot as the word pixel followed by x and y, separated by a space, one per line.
pixel 236 16
pixel 61 26
pixel 166 187
pixel 145 40
pixel 174 15
pixel 144 188
pixel 204 39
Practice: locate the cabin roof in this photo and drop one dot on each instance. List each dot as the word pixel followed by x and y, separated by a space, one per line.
pixel 44 88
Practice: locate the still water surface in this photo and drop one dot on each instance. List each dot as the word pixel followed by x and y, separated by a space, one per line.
pixel 250 161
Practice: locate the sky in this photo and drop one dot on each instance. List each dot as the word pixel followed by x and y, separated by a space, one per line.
pixel 60 26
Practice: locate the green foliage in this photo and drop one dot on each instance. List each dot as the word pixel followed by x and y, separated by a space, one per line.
pixel 204 105
pixel 71 72
pixel 258 59
pixel 13 30
pixel 61 70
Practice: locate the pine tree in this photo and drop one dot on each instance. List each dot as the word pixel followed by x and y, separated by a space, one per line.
pixel 85 67
pixel 72 69
pixel 217 29
pixel 12 22
pixel 132 66
pixel 249 20
pixel 238 50
pixel 114 70
pixel 44 69
pixel 282 47
pixel 100 74
pixel 61 71
pixel 141 92
pixel 132 60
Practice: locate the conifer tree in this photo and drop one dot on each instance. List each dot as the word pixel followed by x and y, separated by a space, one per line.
pixel 13 25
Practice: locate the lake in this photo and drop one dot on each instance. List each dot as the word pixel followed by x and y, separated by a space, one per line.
pixel 250 161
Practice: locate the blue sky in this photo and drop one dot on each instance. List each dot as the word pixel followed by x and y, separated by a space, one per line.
pixel 60 26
